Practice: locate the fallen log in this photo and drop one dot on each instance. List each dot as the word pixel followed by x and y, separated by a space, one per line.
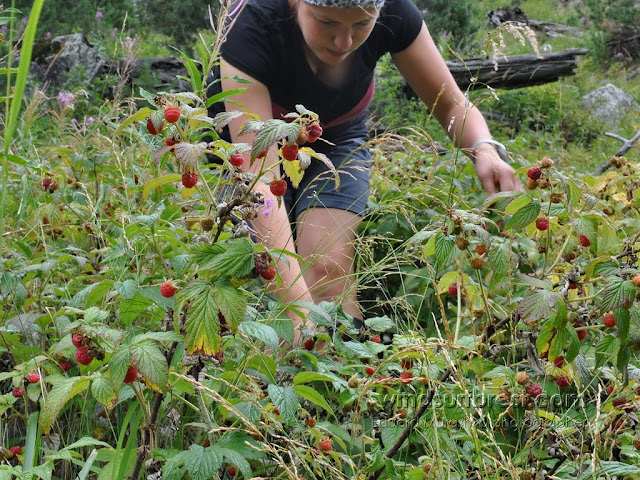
pixel 516 71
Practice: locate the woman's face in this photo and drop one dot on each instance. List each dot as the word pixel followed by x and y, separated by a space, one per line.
pixel 333 33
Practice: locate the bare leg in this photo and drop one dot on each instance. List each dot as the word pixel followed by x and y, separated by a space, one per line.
pixel 325 238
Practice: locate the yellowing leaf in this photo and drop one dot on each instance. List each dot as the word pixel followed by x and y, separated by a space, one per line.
pixel 293 171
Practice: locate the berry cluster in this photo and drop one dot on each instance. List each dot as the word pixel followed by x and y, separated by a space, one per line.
pixel 536 175
pixel 48 185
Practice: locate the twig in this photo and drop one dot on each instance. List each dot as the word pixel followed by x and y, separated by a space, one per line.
pixel 626 146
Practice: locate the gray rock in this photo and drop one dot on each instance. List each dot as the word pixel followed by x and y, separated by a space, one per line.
pixel 609 104
pixel 66 58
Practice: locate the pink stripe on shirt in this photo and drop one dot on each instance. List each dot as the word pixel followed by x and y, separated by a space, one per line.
pixel 279 111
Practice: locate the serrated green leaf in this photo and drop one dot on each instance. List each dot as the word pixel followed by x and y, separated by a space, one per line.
pixel 262 332
pixel 87 442
pixel 606 350
pixel 104 392
pixel 202 325
pixel 235 262
pixel 312 395
pixel 524 216
pixel 586 226
pixel 501 259
pixel 285 399
pixel 537 305
pixel 490 200
pixel 95 315
pixel 129 310
pixel 517 204
pixel 357 349
pixel 271 132
pixel 445 247
pixel 574 343
pixel 234 458
pixel 616 293
pixel 623 322
pixel 58 397
pixel 379 324
pixel 232 303
pixel 202 462
pixel 126 289
pixel 558 344
pixel 119 363
pixel 151 364
pixel 611 469
pixel 157 337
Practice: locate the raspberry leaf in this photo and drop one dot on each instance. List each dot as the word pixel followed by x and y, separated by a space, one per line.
pixel 223 119
pixel 262 332
pixel 189 154
pixel 202 325
pixel 313 396
pixel 271 132
pixel 151 364
pixel 524 216
pixel 616 293
pixel 231 260
pixel 286 401
pixel 118 364
pixel 232 303
pixel 104 391
pixel 58 397
pixel 140 115
pixel 324 159
pixel 537 305
pixel 293 171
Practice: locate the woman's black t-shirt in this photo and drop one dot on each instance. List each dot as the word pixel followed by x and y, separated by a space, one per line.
pixel 264 41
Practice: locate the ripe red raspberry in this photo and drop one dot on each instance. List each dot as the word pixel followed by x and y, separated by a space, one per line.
pixel 290 152
pixel 407 363
pixel 309 344
pixel 231 470
pixel 609 390
pixel 154 127
pixel 542 224
pixel 584 241
pixel 16 450
pixel 18 392
pixel 315 132
pixel 46 182
pixel 558 361
pixel 534 390
pixel 369 370
pixel 33 377
pixel 582 334
pixel 573 286
pixel 453 289
pixel 481 249
pixel 278 187
pixel 406 378
pixel 65 366
pixel 189 179
pixel 236 159
pixel 562 381
pixel 269 273
pixel 131 375
pixel 310 422
pixel 172 114
pixel 609 321
pixel 534 173
pixel 53 187
pixel 83 356
pixel 325 445
pixel 170 142
pixel 167 289
pixel 376 339
pixel 77 339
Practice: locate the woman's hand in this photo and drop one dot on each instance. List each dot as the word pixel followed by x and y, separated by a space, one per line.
pixel 495 174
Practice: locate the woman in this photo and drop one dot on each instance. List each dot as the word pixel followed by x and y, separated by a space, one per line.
pixel 322 54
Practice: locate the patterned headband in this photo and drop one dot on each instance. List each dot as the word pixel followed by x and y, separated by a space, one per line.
pixel 346 3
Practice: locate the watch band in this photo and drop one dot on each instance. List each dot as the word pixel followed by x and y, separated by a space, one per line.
pixel 502 150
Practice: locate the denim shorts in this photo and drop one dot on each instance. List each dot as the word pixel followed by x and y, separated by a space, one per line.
pixel 318 187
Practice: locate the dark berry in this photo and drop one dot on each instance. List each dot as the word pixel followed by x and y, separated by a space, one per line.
pixel 278 187
pixel 189 179
pixel 534 173
pixel 290 152
pixel 534 390
pixel 542 224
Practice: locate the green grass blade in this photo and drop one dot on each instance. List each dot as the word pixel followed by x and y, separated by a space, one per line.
pixel 122 455
pixel 31 447
pixel 87 466
pixel 23 69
